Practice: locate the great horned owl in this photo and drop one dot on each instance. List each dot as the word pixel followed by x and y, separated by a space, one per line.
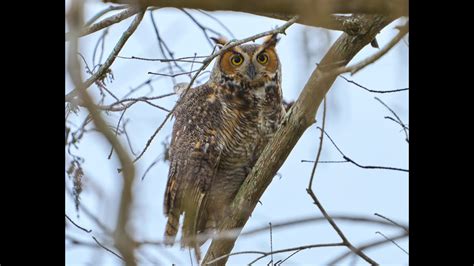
pixel 220 131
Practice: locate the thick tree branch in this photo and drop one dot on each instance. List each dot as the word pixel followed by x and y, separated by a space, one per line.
pixel 103 12
pixel 357 67
pixel 319 13
pixel 305 8
pixel 297 120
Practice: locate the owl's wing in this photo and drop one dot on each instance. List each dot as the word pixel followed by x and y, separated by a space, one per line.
pixel 194 157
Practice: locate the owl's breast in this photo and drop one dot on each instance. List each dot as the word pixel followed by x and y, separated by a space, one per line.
pixel 240 134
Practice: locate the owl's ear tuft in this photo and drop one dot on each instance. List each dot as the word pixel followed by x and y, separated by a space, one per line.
pixel 271 40
pixel 220 41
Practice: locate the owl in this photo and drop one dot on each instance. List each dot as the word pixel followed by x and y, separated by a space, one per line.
pixel 220 130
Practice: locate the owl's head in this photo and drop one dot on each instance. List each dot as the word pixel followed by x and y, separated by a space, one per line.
pixel 252 63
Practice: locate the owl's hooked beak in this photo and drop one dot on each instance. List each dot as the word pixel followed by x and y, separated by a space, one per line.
pixel 251 73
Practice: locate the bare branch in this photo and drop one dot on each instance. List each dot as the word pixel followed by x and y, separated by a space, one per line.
pixel 369 90
pixel 164 47
pixel 104 67
pixel 203 28
pixel 357 67
pixel 367 245
pixel 393 222
pixel 78 226
pixel 222 24
pixel 78 242
pixel 127 102
pixel 271 242
pixel 393 241
pixel 355 163
pixel 116 133
pixel 182 59
pixel 312 12
pixel 400 122
pixel 265 254
pixel 105 23
pixel 174 75
pixel 345 241
pixel 103 12
pixel 310 191
pixel 100 41
pixel 92 216
pixel 396 121
pixel 108 249
pixel 310 185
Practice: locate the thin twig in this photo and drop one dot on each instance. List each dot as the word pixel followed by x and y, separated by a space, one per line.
pixel 104 67
pixel 369 90
pixel 271 243
pixel 203 28
pixel 127 137
pixel 173 75
pixel 163 46
pixel 78 226
pixel 365 246
pixel 375 167
pixel 310 185
pixel 345 241
pixel 396 116
pixel 108 249
pixel 300 248
pixel 393 241
pixel 101 40
pixel 132 101
pixel 92 216
pixel 311 161
pixel 218 22
pixel 357 164
pixel 74 241
pixel 150 167
pixel 398 122
pixel 291 255
pixel 265 254
pixel 116 133
pixel 392 221
pixel 164 60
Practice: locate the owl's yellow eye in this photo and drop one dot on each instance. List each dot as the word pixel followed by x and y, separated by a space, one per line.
pixel 236 60
pixel 262 58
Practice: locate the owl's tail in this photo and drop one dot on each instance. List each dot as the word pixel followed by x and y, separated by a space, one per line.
pixel 192 214
pixel 171 228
